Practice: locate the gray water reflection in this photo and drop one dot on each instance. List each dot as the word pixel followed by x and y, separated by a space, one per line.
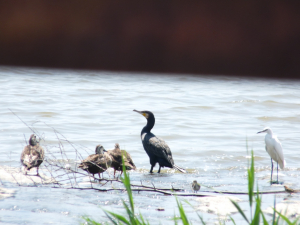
pixel 206 121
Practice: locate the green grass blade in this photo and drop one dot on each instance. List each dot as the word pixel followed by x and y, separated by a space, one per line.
pixel 264 218
pixel 232 220
pixel 143 220
pixel 296 221
pixel 89 221
pixel 110 218
pixel 126 182
pixel 175 220
pixel 200 217
pixel 286 219
pixel 182 213
pixel 119 218
pixel 251 178
pixel 256 218
pixel 129 213
pixel 240 210
pixel 277 220
pixel 202 221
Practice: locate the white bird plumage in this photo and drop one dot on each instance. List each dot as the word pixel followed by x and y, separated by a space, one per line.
pixel 274 149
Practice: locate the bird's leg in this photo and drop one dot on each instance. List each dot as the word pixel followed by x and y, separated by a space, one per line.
pixel 25 170
pixel 114 173
pixel 37 171
pixel 271 170
pixel 99 176
pixel 151 170
pixel 277 173
pixel 159 169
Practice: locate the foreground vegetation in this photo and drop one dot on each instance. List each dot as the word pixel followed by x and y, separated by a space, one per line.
pixel 255 200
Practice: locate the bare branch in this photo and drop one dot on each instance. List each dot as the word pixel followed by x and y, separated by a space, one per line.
pixel 57 157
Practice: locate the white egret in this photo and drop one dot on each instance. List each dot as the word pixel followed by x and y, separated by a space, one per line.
pixel 274 149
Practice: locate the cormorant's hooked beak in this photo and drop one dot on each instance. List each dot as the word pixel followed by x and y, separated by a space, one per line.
pixel 142 113
pixel 137 111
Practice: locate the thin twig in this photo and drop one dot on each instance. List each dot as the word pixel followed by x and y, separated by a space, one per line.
pixel 60 177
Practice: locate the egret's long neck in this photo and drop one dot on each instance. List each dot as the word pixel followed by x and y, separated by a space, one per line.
pixel 149 125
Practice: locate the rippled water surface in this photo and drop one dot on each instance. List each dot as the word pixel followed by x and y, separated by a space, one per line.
pixel 207 121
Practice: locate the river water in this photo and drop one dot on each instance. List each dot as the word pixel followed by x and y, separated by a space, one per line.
pixel 209 122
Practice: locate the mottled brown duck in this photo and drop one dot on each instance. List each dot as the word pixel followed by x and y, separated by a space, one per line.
pixel 97 163
pixel 116 155
pixel 32 155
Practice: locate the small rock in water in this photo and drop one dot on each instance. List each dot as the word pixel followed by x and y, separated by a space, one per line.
pixel 160 209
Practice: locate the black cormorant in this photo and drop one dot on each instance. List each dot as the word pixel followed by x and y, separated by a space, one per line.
pixel 156 148
pixel 116 155
pixel 97 163
pixel 32 155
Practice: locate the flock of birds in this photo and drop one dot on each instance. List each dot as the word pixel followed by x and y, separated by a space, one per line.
pixel 156 148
